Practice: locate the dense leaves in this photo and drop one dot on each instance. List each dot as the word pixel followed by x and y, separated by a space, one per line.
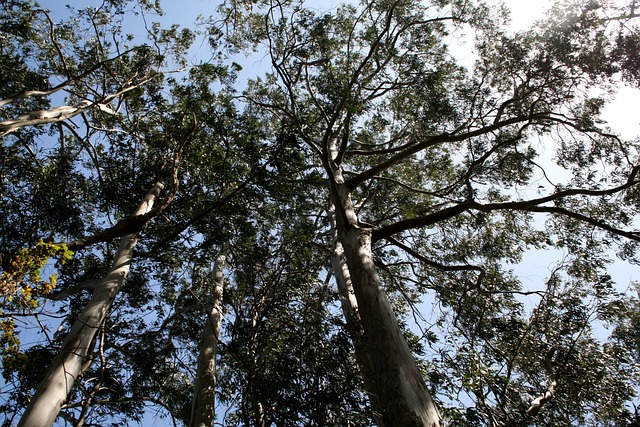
pixel 363 120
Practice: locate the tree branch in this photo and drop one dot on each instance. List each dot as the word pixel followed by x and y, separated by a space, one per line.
pixel 33 93
pixel 532 205
pixel 63 112
pixel 358 179
pixel 73 290
pixel 130 225
pixel 538 402
pixel 437 265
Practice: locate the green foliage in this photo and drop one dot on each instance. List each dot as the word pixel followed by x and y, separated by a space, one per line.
pixel 282 319
pixel 20 280
pixel 21 287
pixel 459 173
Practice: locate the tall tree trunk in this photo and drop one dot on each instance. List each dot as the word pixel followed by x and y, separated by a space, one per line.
pixel 396 388
pixel 203 405
pixel 403 394
pixel 74 356
pixel 354 327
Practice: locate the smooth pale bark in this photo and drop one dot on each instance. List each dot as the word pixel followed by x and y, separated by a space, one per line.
pixel 403 393
pixel 74 356
pixel 540 401
pixel 203 405
pixel 354 327
pixel 52 115
pixel 397 387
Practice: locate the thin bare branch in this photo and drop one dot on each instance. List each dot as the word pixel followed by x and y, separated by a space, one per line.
pixel 40 93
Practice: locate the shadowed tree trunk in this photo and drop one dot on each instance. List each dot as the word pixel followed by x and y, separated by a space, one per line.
pixel 203 406
pixel 395 386
pixel 354 326
pixel 403 392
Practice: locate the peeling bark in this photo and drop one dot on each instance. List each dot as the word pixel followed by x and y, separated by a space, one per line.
pixel 203 405
pixel 75 355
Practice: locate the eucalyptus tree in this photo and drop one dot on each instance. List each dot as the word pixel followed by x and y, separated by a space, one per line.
pixel 203 409
pixel 438 178
pixel 52 392
pixel 114 132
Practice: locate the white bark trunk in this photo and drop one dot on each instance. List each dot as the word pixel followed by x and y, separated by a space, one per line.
pixel 540 401
pixel 52 115
pixel 405 399
pixel 396 385
pixel 354 327
pixel 74 355
pixel 203 405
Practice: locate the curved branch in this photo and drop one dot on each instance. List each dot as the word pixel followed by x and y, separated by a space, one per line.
pixel 437 265
pixel 532 205
pixel 51 115
pixel 539 402
pixel 406 186
pixel 130 225
pixel 73 290
pixel 400 135
pixel 64 112
pixel 632 235
pixel 33 93
pixel 423 221
pixel 353 182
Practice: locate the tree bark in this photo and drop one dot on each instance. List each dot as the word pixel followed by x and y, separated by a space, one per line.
pixel 403 394
pixel 203 405
pixel 396 388
pixel 74 356
pixel 52 115
pixel 354 327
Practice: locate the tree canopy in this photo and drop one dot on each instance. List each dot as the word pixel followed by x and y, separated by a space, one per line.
pixel 336 232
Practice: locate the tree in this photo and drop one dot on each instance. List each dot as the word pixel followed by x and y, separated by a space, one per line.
pixel 203 409
pixel 364 177
pixel 79 342
pixel 140 141
pixel 422 158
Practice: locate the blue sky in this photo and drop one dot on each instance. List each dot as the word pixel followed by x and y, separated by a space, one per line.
pixel 524 13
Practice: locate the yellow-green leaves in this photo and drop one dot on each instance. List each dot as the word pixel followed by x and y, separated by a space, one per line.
pixel 21 278
pixel 20 283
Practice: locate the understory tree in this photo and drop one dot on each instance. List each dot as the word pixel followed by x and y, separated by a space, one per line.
pixel 341 237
